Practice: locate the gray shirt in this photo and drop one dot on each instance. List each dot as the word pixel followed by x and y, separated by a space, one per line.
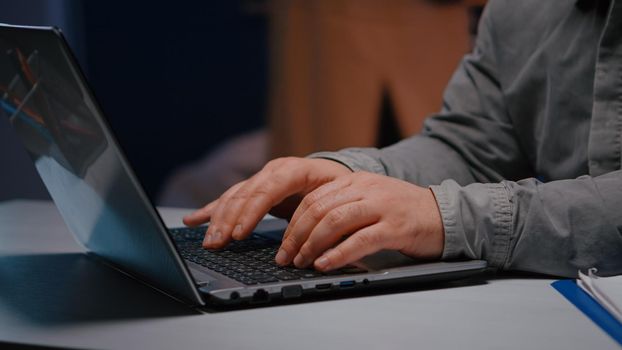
pixel 525 156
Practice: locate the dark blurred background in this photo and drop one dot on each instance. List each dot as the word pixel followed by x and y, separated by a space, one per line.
pixel 202 93
pixel 175 79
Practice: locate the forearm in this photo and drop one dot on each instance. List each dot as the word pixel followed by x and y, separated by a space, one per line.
pixel 421 160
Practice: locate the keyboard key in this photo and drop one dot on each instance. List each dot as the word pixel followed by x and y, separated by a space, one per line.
pixel 285 276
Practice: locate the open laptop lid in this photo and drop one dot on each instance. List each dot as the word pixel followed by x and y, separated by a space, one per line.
pixel 46 99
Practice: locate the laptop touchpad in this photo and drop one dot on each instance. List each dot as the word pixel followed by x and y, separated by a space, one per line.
pixel 200 277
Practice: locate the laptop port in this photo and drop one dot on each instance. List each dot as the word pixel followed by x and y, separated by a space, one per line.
pixel 291 292
pixel 260 296
pixel 346 284
pixel 323 286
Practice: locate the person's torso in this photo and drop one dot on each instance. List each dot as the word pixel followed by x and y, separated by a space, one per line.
pixel 568 120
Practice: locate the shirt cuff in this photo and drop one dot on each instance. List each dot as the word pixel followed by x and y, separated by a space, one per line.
pixel 454 241
pixel 477 221
pixel 353 158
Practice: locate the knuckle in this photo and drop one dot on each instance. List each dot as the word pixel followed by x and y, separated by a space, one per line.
pixel 360 241
pixel 313 197
pixel 305 203
pixel 316 211
pixel 336 217
pixel 309 200
pixel 290 244
pixel 357 210
pixel 366 239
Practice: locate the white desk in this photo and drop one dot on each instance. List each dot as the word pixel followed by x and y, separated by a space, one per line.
pixel 50 295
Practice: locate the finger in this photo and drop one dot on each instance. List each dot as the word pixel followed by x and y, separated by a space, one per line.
pixel 267 190
pixel 364 242
pixel 245 200
pixel 200 216
pixel 313 197
pixel 263 191
pixel 215 237
pixel 298 233
pixel 223 221
pixel 225 217
pixel 338 223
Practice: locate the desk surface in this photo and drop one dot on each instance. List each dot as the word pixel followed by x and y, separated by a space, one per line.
pixel 52 294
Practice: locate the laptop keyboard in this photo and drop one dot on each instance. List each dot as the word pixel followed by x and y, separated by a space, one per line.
pixel 250 261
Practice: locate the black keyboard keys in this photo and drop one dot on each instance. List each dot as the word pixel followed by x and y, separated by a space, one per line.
pixel 250 261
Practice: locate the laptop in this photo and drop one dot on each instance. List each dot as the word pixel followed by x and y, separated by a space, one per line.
pixel 47 100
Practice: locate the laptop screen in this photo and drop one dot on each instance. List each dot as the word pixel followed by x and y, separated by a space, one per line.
pixel 47 102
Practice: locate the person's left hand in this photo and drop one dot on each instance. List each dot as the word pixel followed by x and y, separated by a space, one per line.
pixel 357 215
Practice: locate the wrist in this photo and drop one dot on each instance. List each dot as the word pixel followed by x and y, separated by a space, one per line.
pixel 332 166
pixel 437 228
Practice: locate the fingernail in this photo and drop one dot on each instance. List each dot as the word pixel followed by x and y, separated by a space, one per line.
pixel 208 239
pixel 217 237
pixel 281 257
pixel 237 231
pixel 322 262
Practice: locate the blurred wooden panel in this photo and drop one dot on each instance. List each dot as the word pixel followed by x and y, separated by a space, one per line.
pixel 333 59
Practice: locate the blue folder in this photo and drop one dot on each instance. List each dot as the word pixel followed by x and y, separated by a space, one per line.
pixel 590 307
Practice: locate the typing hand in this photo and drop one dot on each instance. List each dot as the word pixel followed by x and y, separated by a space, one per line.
pixel 359 214
pixel 278 187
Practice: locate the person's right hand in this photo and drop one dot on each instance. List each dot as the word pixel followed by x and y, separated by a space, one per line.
pixel 278 188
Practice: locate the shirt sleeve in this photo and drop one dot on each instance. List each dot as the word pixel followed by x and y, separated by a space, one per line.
pixel 554 228
pixel 488 212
